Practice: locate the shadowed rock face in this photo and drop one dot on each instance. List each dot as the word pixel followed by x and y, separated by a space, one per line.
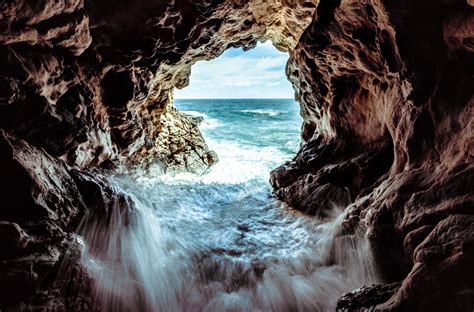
pixel 92 82
pixel 386 94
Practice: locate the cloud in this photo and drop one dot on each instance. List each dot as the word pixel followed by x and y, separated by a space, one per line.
pixel 272 84
pixel 258 73
pixel 238 83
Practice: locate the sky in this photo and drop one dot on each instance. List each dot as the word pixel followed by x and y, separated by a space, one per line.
pixel 258 73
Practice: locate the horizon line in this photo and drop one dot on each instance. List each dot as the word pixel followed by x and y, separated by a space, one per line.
pixel 235 99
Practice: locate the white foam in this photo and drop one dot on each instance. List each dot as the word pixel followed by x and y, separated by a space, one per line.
pixel 194 113
pixel 180 243
pixel 237 164
pixel 207 123
pixel 210 123
pixel 268 112
pixel 139 265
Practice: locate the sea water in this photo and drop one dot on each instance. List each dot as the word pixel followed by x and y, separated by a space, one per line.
pixel 222 241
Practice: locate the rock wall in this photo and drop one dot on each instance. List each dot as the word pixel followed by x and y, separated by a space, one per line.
pixel 386 93
pixel 386 89
pixel 43 202
pixel 85 90
pixel 92 82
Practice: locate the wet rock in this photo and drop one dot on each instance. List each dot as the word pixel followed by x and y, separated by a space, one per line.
pixel 12 238
pixel 195 119
pixel 324 175
pixel 44 201
pixel 313 198
pixel 366 298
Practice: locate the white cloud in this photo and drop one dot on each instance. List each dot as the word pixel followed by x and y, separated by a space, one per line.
pixel 234 83
pixel 259 73
pixel 272 84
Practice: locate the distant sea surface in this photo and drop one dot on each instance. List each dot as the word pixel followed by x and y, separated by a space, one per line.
pixel 267 127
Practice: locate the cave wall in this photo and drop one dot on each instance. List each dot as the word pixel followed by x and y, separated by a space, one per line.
pixel 86 91
pixel 92 81
pixel 386 89
pixel 386 94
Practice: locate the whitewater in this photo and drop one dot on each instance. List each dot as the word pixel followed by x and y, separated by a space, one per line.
pixel 222 241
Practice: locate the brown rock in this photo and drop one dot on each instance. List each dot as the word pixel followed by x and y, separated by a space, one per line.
pixel 366 298
pixel 12 238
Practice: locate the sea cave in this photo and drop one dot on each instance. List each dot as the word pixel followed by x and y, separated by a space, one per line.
pixel 121 193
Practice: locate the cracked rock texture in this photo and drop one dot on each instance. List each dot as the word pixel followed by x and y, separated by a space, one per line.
pixel 386 90
pixel 386 94
pixel 86 87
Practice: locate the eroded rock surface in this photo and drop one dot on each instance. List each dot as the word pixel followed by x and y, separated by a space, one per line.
pixel 386 94
pixel 87 85
pixel 393 79
pixel 43 202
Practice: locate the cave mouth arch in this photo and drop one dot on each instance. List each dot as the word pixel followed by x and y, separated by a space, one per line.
pixel 257 73
pixel 248 84
pixel 168 66
pixel 242 101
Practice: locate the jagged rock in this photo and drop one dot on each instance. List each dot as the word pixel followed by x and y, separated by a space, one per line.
pixel 180 146
pixel 196 119
pixel 366 298
pixel 326 174
pixel 374 75
pixel 44 200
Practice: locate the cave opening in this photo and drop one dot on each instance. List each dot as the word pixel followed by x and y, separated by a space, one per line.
pixel 243 104
pixel 223 240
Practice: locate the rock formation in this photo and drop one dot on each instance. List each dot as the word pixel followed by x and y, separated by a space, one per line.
pixel 386 94
pixel 386 90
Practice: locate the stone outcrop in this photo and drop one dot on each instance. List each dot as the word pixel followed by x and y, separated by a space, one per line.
pixel 43 202
pixel 386 94
pixel 366 298
pixel 386 90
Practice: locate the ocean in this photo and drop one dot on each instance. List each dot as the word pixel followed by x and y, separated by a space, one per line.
pixel 222 241
pixel 250 136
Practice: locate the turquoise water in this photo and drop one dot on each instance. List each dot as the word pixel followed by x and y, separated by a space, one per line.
pixel 257 123
pixel 222 241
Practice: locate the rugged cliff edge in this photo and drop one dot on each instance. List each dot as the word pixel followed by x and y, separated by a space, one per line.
pixel 386 94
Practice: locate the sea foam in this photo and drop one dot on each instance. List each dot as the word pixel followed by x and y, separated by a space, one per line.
pixel 221 241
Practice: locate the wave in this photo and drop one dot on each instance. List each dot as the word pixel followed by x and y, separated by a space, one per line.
pixel 207 123
pixel 268 112
pixel 237 164
pixel 144 260
pixel 220 242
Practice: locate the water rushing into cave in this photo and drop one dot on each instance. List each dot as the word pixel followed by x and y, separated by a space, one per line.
pixel 221 241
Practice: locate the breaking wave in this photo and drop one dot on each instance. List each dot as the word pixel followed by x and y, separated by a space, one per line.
pixel 221 241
